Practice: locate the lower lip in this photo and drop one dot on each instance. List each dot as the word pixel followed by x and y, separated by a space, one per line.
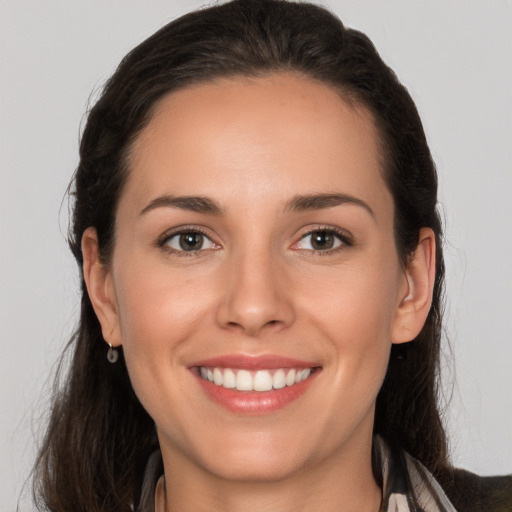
pixel 256 402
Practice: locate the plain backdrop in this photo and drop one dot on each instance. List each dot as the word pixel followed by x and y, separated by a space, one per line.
pixel 456 59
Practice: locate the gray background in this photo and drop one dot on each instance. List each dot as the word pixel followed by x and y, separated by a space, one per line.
pixel 455 57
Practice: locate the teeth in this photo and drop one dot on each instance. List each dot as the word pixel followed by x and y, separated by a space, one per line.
pixel 229 379
pixel 244 381
pixel 279 380
pixel 218 377
pixel 305 374
pixel 260 380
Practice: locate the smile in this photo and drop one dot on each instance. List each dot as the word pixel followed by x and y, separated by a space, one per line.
pixel 254 384
pixel 258 380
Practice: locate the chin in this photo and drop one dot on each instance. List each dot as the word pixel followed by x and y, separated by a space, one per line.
pixel 268 466
pixel 254 457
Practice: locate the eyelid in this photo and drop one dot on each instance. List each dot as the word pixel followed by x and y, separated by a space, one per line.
pixel 181 230
pixel 345 237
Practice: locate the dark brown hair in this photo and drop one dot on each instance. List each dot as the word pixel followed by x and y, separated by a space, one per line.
pixel 99 436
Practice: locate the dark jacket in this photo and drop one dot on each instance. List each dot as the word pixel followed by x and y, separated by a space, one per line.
pixel 407 486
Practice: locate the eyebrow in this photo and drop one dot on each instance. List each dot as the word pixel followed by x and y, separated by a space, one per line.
pixel 321 201
pixel 298 203
pixel 198 204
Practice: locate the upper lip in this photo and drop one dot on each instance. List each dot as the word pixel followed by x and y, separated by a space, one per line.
pixel 252 362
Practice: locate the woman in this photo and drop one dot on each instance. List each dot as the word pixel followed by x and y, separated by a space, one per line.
pixel 255 219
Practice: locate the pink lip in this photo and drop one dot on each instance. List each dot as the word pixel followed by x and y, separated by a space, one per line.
pixel 248 362
pixel 254 402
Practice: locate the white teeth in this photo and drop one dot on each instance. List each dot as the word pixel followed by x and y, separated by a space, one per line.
pixel 279 380
pixel 302 375
pixel 218 378
pixel 229 379
pixel 259 380
pixel 262 381
pixel 244 381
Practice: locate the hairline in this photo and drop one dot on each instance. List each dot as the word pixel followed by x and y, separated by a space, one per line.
pixel 352 98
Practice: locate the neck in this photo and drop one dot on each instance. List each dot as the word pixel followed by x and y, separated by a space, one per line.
pixel 344 482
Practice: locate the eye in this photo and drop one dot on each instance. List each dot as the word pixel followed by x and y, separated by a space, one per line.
pixel 188 241
pixel 322 240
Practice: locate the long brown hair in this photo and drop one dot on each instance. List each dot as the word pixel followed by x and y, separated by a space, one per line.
pixel 99 437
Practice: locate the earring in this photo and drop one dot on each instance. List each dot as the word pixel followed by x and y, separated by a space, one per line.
pixel 400 351
pixel 112 354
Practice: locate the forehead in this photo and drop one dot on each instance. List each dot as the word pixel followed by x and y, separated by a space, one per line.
pixel 244 137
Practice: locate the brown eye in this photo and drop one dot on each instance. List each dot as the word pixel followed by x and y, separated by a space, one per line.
pixel 189 241
pixel 322 240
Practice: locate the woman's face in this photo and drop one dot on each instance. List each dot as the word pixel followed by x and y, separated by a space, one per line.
pixel 254 242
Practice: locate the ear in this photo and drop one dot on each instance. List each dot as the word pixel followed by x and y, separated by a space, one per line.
pixel 416 300
pixel 100 287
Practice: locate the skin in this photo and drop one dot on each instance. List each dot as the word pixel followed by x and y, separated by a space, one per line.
pixel 259 287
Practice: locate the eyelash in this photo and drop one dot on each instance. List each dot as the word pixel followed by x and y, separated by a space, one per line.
pixel 164 239
pixel 344 237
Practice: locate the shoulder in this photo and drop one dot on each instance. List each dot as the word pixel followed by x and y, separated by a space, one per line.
pixel 472 493
pixel 451 490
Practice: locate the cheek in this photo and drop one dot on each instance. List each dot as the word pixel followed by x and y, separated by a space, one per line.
pixel 355 314
pixel 158 315
pixel 349 319
pixel 157 305
pixel 357 304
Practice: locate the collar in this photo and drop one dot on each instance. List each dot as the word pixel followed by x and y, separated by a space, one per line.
pixel 407 486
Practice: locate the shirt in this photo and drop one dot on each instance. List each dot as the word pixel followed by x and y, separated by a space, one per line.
pixel 407 486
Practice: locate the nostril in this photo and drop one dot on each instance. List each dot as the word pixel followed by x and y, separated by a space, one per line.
pixel 252 328
pixel 252 308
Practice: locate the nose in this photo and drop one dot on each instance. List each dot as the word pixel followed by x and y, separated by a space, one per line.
pixel 257 295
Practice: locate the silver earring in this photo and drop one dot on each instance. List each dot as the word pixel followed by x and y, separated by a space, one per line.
pixel 112 354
